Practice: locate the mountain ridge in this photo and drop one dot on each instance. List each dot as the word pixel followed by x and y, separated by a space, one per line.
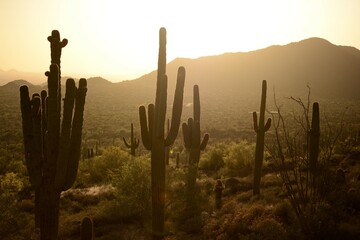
pixel 330 70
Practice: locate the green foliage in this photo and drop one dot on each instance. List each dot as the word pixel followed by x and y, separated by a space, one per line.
pixel 213 160
pixel 11 219
pixel 239 159
pixel 132 189
pixel 182 215
pixel 96 170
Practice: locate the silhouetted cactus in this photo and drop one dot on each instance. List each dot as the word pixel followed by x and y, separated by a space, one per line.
pixel 191 132
pixel 153 134
pixel 260 129
pixel 314 139
pixel 134 143
pixel 52 152
pixel 193 144
pixel 87 229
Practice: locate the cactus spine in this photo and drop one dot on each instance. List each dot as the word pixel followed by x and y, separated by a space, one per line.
pixel 52 152
pixel 134 143
pixel 314 139
pixel 153 134
pixel 193 144
pixel 260 129
pixel 87 229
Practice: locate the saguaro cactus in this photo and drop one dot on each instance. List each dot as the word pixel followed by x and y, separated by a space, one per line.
pixel 260 129
pixel 314 139
pixel 153 134
pixel 87 229
pixel 193 144
pixel 52 152
pixel 134 143
pixel 191 132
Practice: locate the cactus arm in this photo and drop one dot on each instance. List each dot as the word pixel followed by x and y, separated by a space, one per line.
pixel 76 132
pixel 136 141
pixel 32 163
pixel 256 127
pixel 267 125
pixel 145 131
pixel 204 142
pixel 43 96
pixel 27 126
pixel 126 143
pixel 37 140
pixel 186 128
pixel 177 107
pixel 62 161
pixel 196 104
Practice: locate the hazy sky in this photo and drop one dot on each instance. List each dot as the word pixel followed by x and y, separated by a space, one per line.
pixel 119 38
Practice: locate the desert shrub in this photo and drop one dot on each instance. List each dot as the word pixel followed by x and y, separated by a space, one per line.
pixel 213 160
pixel 239 159
pixel 132 189
pixel 238 221
pixel 96 170
pixel 284 212
pixel 11 219
pixel 182 215
pixel 267 229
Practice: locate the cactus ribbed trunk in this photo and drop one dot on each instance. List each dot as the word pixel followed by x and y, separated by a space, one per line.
pixel 158 187
pixel 260 129
pixel 314 143
pixel 153 134
pixel 49 211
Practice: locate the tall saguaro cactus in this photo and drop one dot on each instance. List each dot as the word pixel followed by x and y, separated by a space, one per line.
pixel 260 129
pixel 52 151
pixel 193 144
pixel 153 134
pixel 314 139
pixel 134 143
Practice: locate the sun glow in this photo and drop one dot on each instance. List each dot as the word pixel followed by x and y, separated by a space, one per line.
pixel 121 37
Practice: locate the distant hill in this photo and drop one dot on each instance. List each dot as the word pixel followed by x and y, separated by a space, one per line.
pixel 230 84
pixel 7 76
pixel 330 70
